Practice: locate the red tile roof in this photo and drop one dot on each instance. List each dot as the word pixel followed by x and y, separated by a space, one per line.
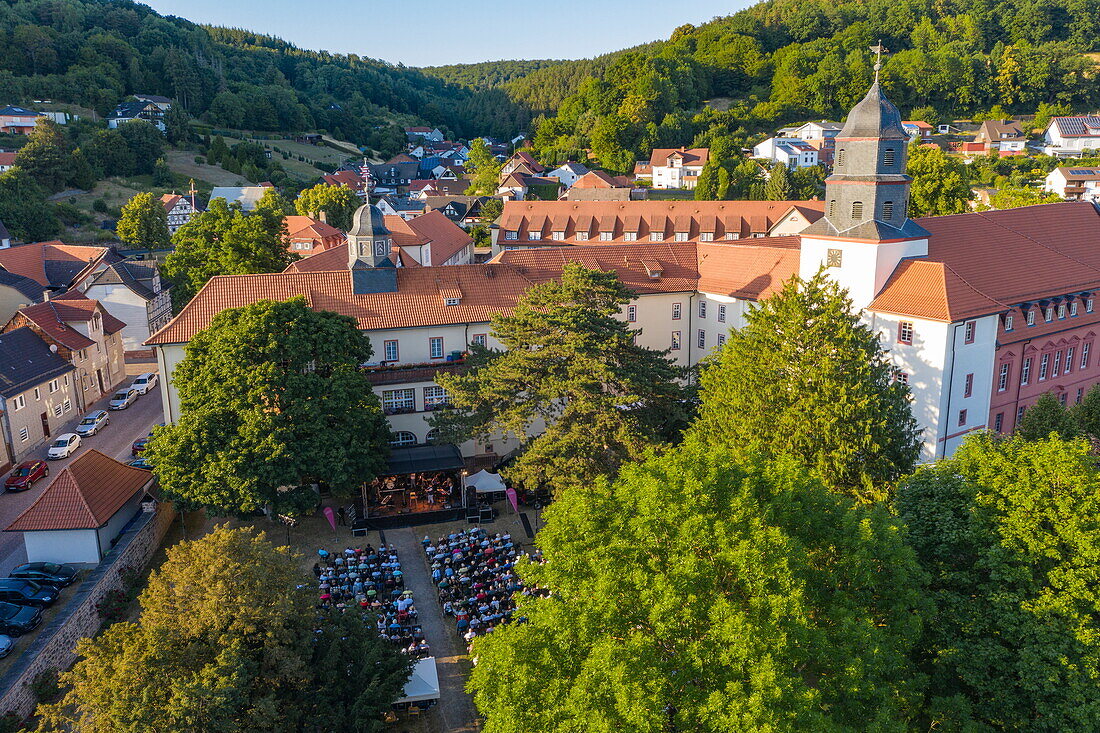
pixel 170 200
pixel 75 306
pixel 446 239
pixel 632 262
pixel 753 270
pixel 29 260
pixel 351 179
pixel 599 179
pixel 7 158
pixel 694 157
pixel 85 495
pixel 306 227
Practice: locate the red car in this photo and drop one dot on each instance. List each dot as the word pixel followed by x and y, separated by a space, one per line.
pixel 138 446
pixel 25 475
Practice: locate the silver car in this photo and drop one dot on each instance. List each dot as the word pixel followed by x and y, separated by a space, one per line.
pixel 92 423
pixel 123 399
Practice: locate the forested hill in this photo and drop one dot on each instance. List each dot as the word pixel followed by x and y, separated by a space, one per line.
pixel 788 60
pixel 95 52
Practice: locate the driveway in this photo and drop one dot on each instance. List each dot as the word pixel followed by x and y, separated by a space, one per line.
pixel 114 440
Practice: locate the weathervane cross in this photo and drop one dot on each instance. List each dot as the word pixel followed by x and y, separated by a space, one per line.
pixel 879 49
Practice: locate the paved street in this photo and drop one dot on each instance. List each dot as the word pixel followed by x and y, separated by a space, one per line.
pixel 114 440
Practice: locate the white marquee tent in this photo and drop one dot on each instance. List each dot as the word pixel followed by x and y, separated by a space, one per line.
pixel 423 683
pixel 485 482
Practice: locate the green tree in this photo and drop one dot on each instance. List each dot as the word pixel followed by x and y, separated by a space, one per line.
pixel 227 641
pixel 144 223
pixel 1047 416
pixel 701 593
pixel 24 209
pixel 486 169
pixel 339 204
pixel 779 187
pixel 1046 112
pixel 941 184
pixel 1086 415
pixel 146 144
pixel 272 399
pixel 571 364
pixel 177 128
pixel 804 377
pixel 1014 198
pixel 1007 531
pixel 45 157
pixel 706 188
pixel 162 173
pixel 223 240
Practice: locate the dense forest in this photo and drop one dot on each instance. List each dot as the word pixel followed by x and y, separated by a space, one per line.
pixel 96 52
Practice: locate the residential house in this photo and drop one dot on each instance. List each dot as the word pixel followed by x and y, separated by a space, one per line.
pixel 163 103
pixel 7 160
pixel 568 173
pixel 246 196
pixel 132 291
pixel 407 207
pixel 179 210
pixel 791 152
pixel 37 394
pixel 1069 137
pixel 1006 137
pixel 818 135
pixel 132 111
pixel 395 175
pixel 523 163
pixel 55 266
pixel 519 186
pixel 423 134
pixel 18 120
pixel 86 335
pixel 918 130
pixel 307 236
pixel 78 518
pixel 461 209
pixel 1074 184
pixel 599 186
pixel 349 178
pixel 540 224
pixel 677 167
pixel 401 158
pixel 421 189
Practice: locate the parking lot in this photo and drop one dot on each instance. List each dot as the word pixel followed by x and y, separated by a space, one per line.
pixel 114 440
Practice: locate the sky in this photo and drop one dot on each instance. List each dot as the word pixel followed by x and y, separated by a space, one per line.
pixel 436 32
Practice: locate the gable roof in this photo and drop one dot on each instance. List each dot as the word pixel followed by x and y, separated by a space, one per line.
pixel 1077 173
pixel 26 287
pixel 446 238
pixel 690 156
pixel 13 111
pixel 633 263
pixel 75 307
pixel 308 227
pixel 85 495
pixel 26 361
pixel 53 264
pixel 1000 129
pixel 157 98
pixel 1081 126
pixel 351 179
pixel 137 276
pixel 129 110
pixel 599 179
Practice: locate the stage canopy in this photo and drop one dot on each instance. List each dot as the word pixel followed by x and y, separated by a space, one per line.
pixel 423 683
pixel 424 459
pixel 485 482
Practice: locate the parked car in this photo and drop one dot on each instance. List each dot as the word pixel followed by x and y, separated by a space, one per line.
pixel 140 463
pixel 138 446
pixel 47 573
pixel 92 423
pixel 6 645
pixel 26 592
pixel 25 475
pixel 123 399
pixel 63 447
pixel 18 620
pixel 144 382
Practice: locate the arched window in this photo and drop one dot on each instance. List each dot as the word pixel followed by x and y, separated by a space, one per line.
pixel 888 158
pixel 840 157
pixel 857 209
pixel 432 437
pixel 402 438
pixel 832 208
pixel 887 210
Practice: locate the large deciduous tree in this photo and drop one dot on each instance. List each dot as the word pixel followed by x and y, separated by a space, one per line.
pixel 1047 416
pixel 228 641
pixel 804 377
pixel 338 203
pixel 144 223
pixel 45 157
pixel 271 398
pixel 941 184
pixel 24 208
pixel 486 169
pixel 572 365
pixel 701 593
pixel 1007 529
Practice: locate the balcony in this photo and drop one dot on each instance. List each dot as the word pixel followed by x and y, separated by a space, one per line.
pixel 407 373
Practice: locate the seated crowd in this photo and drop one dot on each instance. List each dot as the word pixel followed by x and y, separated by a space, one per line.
pixel 372 581
pixel 476 580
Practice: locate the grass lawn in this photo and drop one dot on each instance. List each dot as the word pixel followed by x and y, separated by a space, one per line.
pixel 182 163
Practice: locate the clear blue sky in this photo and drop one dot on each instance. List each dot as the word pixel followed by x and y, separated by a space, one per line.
pixel 435 32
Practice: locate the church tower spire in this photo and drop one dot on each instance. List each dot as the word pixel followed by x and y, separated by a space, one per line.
pixel 369 250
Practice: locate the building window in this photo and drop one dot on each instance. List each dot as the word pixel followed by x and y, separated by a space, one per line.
pixel 1020 414
pixel 451 301
pixel 403 437
pixel 834 258
pixel 1008 323
pixel 706 236
pixel 37 394
pixel 478 339
pixel 68 405
pixel 656 236
pixel 1044 362
pixel 435 347
pixel 582 236
pixel 1025 372
pixel 675 311
pixel 1073 309
pixel 20 402
pixel 681 236
pixel 840 156
pixel 999 421
pixel 24 435
pixel 630 236
pixel 606 236
pixel 1002 380
pixel 968 385
pixel 905 332
pixel 857 209
pixel 721 340
pixel 632 313
pixel 888 158
pixel 398 401
pixel 675 340
pixel 1062 311
pixel 702 339
pixel 1048 315
pixel 721 314
pixel 702 309
pixel 832 208
pixel 1062 398
pixel 1080 393
pixel 389 350
pixel 57 410
pixel 1057 364
pixel 1088 306
pixel 902 377
pixel 1069 361
pixel 962 418
pixel 435 397
pixel 1085 348
pixel 511 235
pixel 887 210
pixel 969 332
pixel 1031 318
pixel 732 235
pixel 557 236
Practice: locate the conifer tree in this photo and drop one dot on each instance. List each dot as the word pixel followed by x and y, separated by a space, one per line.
pixel 779 187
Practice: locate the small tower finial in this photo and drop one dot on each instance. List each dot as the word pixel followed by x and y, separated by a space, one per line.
pixel 368 181
pixel 878 49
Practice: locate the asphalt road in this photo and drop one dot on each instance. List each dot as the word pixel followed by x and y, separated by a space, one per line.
pixel 114 440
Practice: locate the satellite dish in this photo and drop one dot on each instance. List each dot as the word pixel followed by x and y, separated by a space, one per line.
pixel 53 348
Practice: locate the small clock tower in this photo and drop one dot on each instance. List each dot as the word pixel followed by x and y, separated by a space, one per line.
pixel 369 251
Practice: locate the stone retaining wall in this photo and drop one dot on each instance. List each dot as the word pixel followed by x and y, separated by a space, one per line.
pixel 54 648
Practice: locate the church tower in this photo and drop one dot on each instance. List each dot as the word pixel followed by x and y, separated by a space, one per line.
pixel 866 229
pixel 369 246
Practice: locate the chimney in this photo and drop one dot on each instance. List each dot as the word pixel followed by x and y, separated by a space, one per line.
pixel 323 217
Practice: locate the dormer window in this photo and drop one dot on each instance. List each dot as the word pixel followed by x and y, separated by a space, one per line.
pixel 1031 318
pixel 450 301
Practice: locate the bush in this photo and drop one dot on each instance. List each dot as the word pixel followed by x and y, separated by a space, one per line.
pixel 70 215
pixel 100 206
pixel 113 606
pixel 10 723
pixel 45 687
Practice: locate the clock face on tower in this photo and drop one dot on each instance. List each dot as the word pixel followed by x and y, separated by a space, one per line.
pixel 380 248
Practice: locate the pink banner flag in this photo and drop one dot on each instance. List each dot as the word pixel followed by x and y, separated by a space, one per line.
pixel 511 493
pixel 330 516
